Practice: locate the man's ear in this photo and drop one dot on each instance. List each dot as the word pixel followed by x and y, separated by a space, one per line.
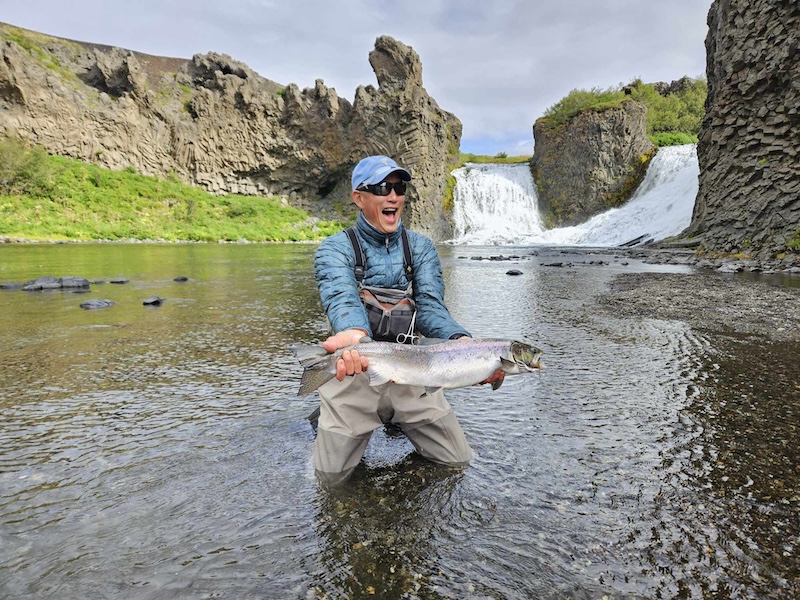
pixel 357 199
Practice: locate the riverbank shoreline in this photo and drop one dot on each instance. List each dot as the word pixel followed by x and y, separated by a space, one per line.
pixel 13 241
pixel 737 295
pixel 722 303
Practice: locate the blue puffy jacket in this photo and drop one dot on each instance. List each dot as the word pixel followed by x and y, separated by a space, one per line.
pixel 333 268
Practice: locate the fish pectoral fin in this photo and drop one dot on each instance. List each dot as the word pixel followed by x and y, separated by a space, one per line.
pixel 496 384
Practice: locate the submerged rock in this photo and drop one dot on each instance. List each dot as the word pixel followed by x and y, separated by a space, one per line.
pixel 48 282
pixel 73 282
pixel 154 301
pixel 96 303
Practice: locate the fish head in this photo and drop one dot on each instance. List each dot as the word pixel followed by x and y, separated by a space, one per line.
pixel 525 356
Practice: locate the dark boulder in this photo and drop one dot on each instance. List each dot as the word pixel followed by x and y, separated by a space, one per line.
pixel 73 282
pixel 96 303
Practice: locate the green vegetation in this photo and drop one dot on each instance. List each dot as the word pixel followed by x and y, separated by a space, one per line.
pixel 35 44
pixel 671 119
pixel 578 101
pixel 448 204
pixel 501 158
pixel 794 243
pixel 45 197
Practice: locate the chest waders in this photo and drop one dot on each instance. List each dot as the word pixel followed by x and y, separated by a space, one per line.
pixel 392 313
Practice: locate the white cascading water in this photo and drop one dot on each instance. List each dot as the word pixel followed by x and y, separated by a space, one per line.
pixel 496 204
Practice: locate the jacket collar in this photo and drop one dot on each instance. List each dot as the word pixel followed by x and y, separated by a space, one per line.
pixel 374 236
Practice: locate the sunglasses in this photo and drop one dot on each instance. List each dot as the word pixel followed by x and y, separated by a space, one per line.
pixel 384 188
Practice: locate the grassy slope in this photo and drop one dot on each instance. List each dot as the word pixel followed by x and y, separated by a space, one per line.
pixel 46 197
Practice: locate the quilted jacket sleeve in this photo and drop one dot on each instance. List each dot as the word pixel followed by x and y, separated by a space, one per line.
pixel 433 318
pixel 333 270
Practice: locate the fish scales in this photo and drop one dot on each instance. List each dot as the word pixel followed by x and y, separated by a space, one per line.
pixel 434 364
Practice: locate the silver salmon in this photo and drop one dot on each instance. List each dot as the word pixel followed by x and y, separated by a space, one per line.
pixel 433 364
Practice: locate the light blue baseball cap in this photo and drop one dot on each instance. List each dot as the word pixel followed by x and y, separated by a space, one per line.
pixel 374 169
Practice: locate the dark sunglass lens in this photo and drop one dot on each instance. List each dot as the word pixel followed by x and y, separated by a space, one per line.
pixel 384 188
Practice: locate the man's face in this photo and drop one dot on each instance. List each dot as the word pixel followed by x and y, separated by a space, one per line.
pixel 382 212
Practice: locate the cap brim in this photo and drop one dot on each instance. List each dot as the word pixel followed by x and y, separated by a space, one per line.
pixel 382 174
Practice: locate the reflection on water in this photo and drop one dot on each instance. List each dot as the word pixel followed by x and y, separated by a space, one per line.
pixel 161 452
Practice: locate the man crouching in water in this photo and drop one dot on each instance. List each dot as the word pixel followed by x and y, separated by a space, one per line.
pixel 350 409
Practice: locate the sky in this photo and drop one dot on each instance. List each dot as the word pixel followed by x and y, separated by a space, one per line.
pixel 498 65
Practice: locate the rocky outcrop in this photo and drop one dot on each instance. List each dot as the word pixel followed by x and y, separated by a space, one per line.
pixel 749 193
pixel 214 122
pixel 591 164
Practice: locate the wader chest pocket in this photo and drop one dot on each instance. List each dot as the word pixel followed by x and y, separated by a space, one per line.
pixel 391 313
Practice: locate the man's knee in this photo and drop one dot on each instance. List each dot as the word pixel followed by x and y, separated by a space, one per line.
pixel 336 455
pixel 442 441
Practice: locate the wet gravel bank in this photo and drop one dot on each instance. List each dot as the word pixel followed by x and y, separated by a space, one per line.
pixel 716 301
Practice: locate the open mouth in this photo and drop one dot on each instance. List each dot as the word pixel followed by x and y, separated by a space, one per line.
pixel 389 211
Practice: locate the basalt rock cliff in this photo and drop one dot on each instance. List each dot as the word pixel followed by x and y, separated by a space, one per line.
pixel 590 164
pixel 216 123
pixel 749 144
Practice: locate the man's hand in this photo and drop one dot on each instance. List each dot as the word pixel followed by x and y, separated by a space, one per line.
pixel 351 363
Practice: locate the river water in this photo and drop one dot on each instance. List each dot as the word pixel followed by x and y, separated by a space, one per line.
pixel 161 452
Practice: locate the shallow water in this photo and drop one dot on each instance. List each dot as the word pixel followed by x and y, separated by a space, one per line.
pixel 161 452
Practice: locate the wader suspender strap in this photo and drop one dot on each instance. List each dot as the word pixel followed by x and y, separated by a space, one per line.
pixel 408 263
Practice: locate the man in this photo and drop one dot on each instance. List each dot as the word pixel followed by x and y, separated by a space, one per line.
pixel 350 410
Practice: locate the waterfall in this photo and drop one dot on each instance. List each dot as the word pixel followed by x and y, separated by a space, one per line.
pixel 496 204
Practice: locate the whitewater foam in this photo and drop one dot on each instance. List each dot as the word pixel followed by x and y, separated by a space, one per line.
pixel 497 204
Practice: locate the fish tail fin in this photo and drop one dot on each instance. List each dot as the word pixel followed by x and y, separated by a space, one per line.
pixel 312 379
pixel 307 354
pixel 316 362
